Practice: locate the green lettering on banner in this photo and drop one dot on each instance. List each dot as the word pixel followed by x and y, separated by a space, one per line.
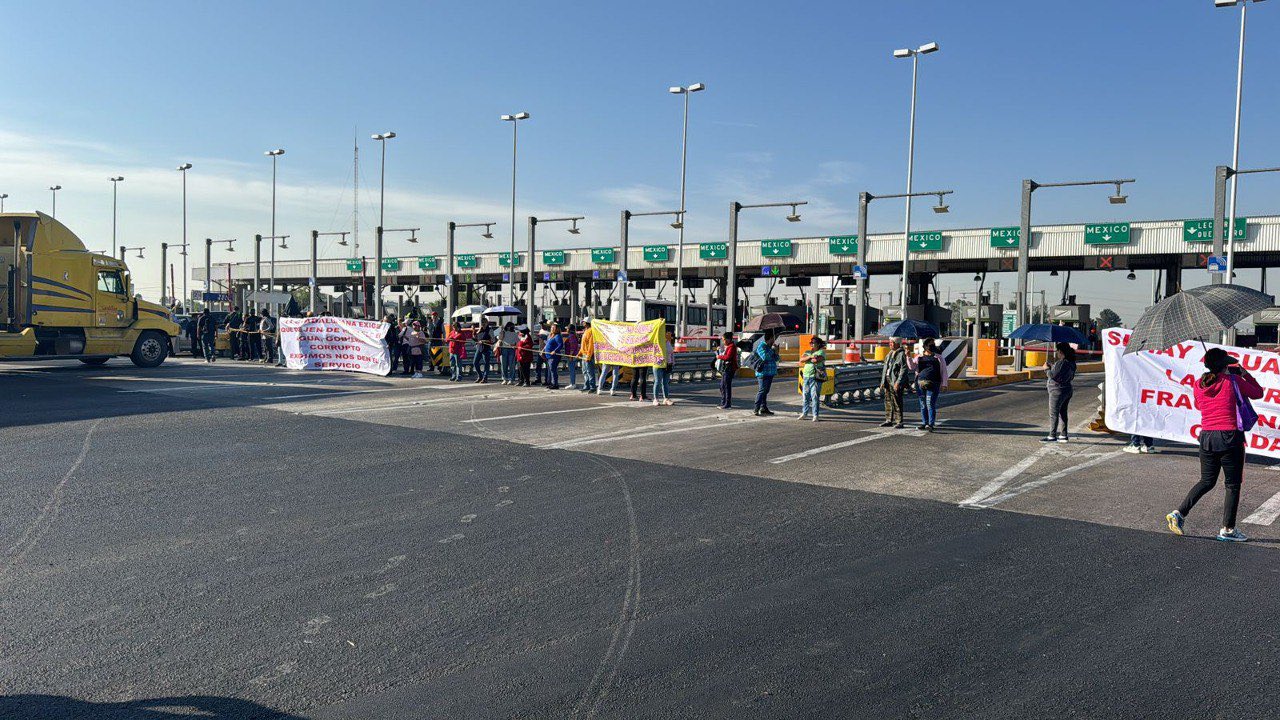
pixel 657 253
pixel 775 248
pixel 1202 230
pixel 467 261
pixel 1118 233
pixel 1005 237
pixel 604 256
pixel 925 241
pixel 713 251
pixel 842 245
pixel 553 257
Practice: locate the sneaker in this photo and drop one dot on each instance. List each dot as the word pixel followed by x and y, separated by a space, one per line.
pixel 930 428
pixel 612 393
pixel 887 423
pixel 1174 520
pixel 815 418
pixel 756 411
pixel 1063 439
pixel 417 376
pixel 1150 450
pixel 802 416
pixel 922 426
pixel 656 403
pixel 1132 449
pixel 899 426
pixel 668 401
pixel 1049 438
pixel 766 411
pixel 1232 535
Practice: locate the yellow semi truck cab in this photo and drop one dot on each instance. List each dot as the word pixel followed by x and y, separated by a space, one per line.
pixel 58 300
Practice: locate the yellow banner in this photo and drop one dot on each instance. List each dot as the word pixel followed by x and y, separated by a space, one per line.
pixel 630 344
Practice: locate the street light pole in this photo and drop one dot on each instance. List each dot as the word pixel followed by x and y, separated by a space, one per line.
pixel 54 190
pixel 2 198
pixel 514 119
pixel 533 225
pixel 911 156
pixel 731 271
pixel 164 262
pixel 274 155
pixel 1235 142
pixel 186 296
pixel 450 231
pixel 679 223
pixel 382 209
pixel 115 184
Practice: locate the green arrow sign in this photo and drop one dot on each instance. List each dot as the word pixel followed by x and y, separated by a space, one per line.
pixel 1107 234
pixel 553 257
pixel 775 248
pixel 842 245
pixel 713 251
pixel 504 259
pixel 390 264
pixel 1005 237
pixel 355 265
pixel 428 262
pixel 1202 230
pixel 657 253
pixel 925 241
pixel 604 256
pixel 467 261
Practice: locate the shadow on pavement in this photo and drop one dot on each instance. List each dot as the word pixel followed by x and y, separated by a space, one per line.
pixel 55 707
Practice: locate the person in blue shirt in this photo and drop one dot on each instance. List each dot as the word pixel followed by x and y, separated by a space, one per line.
pixel 766 370
pixel 551 351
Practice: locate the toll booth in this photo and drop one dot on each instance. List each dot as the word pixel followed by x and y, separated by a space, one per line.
pixel 835 324
pixel 1266 326
pixel 991 317
pixel 935 315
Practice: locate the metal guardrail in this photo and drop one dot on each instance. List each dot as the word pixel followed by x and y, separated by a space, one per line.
pixel 690 366
pixel 854 383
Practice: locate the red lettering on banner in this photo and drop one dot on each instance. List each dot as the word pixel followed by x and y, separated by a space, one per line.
pixel 1186 381
pixel 1115 337
pixel 1267 421
pixel 1271 395
pixel 1195 432
pixel 1166 398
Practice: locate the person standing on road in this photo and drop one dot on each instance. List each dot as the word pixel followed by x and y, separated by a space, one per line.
pixel 524 357
pixel 252 337
pixel 507 354
pixel 893 378
pixel 392 336
pixel 1141 444
pixel 539 336
pixel 551 352
pixel 662 373
pixel 1058 378
pixel 727 361
pixel 484 351
pixel 766 370
pixel 193 335
pixel 587 351
pixel 267 331
pixel 457 352
pixel 572 346
pixel 207 331
pixel 1219 394
pixel 414 340
pixel 232 325
pixel 931 378
pixel 813 373
pixel 435 338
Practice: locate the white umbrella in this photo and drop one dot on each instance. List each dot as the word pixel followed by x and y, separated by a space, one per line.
pixel 468 311
pixel 503 311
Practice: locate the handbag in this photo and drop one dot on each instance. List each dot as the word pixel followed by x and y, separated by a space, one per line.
pixel 820 374
pixel 1246 416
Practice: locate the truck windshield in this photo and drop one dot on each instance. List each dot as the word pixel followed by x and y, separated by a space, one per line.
pixel 109 281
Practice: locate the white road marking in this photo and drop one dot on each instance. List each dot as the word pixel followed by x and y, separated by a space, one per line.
pixel 1097 459
pixel 385 589
pixel 1266 513
pixel 627 432
pixel 545 412
pixel 847 443
pixel 1005 477
pixel 634 435
pixel 364 391
pixel 419 403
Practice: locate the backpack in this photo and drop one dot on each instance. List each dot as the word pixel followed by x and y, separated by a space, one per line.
pixel 754 361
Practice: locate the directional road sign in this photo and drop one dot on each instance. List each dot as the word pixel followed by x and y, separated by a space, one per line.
pixel 713 251
pixel 1202 230
pixel 1005 237
pixel 842 245
pixel 552 257
pixel 504 259
pixel 925 241
pixel 604 256
pixel 1107 234
pixel 775 248
pixel 657 253
pixel 355 265
pixel 467 261
pixel 390 264
pixel 428 262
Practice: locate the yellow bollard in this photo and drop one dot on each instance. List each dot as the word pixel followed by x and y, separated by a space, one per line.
pixel 1036 358
pixel 882 352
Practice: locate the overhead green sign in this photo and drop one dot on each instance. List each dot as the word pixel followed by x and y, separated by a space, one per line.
pixel 504 259
pixel 775 248
pixel 604 256
pixel 1009 321
pixel 657 253
pixel 467 261
pixel 1202 230
pixel 925 241
pixel 713 251
pixel 355 265
pixel 390 264
pixel 428 262
pixel 1005 237
pixel 1107 234
pixel 553 257
pixel 842 245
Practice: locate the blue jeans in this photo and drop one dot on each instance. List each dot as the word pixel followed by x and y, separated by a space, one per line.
pixel 661 384
pixel 811 396
pixel 508 358
pixel 764 383
pixel 588 375
pixel 573 371
pixel 455 366
pixel 1140 440
pixel 553 372
pixel 480 366
pixel 605 370
pixel 928 405
pixel 207 345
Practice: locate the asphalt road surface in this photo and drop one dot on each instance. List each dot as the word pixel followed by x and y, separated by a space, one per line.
pixel 233 541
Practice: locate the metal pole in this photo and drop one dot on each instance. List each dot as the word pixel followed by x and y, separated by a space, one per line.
pixel 1024 260
pixel 1220 175
pixel 272 287
pixel 528 293
pixel 860 309
pixel 115 186
pixel 1235 157
pixel 314 288
pixel 911 157
pixel 731 270
pixel 257 268
pixel 684 156
pixel 208 266
pixel 511 273
pixel 164 262
pixel 55 203
pixel 186 296
pixel 377 269
pixel 450 228
pixel 622 270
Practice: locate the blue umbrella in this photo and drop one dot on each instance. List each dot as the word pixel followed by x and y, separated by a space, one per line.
pixel 1049 333
pixel 909 329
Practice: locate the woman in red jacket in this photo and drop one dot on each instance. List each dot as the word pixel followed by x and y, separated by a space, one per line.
pixel 728 360
pixel 524 356
pixel 1221 438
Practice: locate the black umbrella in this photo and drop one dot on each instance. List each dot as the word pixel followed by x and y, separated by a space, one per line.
pixel 1196 314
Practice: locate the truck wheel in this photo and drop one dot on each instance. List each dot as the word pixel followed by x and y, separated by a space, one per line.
pixel 151 350
pixel 95 360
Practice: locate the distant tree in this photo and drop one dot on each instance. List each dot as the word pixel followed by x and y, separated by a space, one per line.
pixel 1108 319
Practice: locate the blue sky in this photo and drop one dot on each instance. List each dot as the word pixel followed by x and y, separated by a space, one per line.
pixel 804 101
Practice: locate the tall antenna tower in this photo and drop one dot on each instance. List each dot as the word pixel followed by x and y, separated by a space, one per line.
pixel 355 172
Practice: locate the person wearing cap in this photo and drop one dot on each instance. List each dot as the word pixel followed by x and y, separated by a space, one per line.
pixel 1220 395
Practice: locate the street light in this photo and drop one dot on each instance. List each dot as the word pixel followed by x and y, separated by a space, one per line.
pixel 125 251
pixel 54 190
pixel 449 229
pixel 2 198
pixel 382 209
pixel 533 226
pixel 622 278
pixel 731 271
pixel 115 185
pixel 515 135
pixel 208 263
pixel 687 92
pixel 274 155
pixel 925 49
pixel 1235 142
pixel 186 296
pixel 1024 241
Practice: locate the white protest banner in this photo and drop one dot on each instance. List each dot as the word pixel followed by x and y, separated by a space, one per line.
pixel 332 343
pixel 1152 392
